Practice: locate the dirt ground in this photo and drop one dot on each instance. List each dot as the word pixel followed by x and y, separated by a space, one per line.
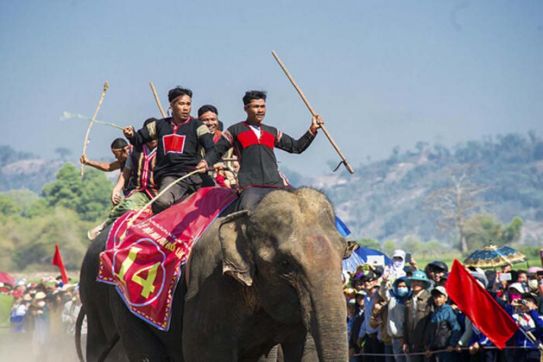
pixel 22 348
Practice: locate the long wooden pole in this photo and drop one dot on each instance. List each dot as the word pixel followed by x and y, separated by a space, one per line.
pixel 91 122
pixel 312 111
pixel 68 115
pixel 157 100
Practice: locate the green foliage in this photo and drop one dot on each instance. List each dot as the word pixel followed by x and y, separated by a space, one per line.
pixel 485 229
pixel 8 206
pixel 369 243
pixel 389 246
pixel 28 242
pixel 412 244
pixel 30 225
pixel 88 197
pixel 6 301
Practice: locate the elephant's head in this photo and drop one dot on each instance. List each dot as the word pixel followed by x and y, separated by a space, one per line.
pixel 289 253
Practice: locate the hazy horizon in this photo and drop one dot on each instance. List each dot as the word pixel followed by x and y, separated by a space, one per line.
pixel 381 74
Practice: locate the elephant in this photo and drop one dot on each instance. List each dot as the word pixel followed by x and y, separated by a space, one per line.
pixel 255 279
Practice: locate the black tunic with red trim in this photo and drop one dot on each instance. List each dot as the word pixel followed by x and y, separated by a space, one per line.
pixel 258 165
pixel 178 145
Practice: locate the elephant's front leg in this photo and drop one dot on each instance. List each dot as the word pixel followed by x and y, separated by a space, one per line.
pixel 139 342
pixel 299 347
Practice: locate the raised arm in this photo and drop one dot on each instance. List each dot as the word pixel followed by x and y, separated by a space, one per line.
pixel 144 135
pixel 102 166
pixel 291 145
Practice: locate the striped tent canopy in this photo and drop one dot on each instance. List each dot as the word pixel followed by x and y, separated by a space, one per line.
pixel 493 257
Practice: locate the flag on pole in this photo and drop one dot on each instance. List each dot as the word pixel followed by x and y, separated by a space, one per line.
pixel 479 306
pixel 342 228
pixel 57 260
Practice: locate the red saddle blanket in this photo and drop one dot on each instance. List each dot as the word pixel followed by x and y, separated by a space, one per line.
pixel 143 260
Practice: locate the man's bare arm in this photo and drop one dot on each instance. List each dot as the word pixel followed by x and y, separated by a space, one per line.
pixel 102 166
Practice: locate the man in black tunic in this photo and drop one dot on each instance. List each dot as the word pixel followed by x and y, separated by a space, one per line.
pixel 180 138
pixel 254 144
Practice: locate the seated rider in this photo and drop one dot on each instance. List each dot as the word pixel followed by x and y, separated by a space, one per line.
pixel 179 139
pixel 120 149
pixel 254 144
pixel 138 174
pixel 225 172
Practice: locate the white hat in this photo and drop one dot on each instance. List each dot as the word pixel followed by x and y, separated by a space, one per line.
pixel 517 286
pixel 398 253
pixel 440 290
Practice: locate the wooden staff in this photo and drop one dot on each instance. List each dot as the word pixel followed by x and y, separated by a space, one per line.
pixel 312 111
pixel 87 134
pixel 68 115
pixel 157 100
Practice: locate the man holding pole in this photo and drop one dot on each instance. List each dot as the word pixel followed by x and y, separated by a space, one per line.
pixel 138 174
pixel 254 144
pixel 120 149
pixel 179 139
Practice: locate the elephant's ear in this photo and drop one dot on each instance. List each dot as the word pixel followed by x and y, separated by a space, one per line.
pixel 351 246
pixel 237 258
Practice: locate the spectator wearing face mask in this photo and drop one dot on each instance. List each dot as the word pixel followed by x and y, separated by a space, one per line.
pixel 514 293
pixel 398 264
pixel 395 321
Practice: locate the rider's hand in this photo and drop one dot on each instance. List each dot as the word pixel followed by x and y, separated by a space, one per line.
pixel 316 123
pixel 83 160
pixel 201 166
pixel 116 197
pixel 128 132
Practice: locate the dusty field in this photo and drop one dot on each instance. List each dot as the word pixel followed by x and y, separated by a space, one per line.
pixel 22 348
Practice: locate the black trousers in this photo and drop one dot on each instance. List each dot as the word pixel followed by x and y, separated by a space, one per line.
pixel 177 192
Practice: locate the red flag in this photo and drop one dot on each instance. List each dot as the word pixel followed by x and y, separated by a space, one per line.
pixel 479 306
pixel 57 260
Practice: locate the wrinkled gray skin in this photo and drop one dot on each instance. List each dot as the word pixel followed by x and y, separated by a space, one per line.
pixel 256 279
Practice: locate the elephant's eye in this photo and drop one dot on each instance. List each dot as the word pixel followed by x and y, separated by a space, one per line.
pixel 285 263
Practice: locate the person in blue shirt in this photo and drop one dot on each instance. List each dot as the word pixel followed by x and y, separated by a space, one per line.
pixel 444 330
pixel 527 317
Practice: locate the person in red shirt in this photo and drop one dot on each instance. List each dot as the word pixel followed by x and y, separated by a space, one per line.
pixel 254 143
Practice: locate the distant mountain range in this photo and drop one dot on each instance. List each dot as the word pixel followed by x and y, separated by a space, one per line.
pixel 21 170
pixel 391 198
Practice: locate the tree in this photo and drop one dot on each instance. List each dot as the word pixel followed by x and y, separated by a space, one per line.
pixel 411 244
pixel 484 229
pixel 389 246
pixel 88 197
pixel 454 203
pixel 369 243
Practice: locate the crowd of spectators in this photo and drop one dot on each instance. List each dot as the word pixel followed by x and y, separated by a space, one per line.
pixel 404 313
pixel 44 313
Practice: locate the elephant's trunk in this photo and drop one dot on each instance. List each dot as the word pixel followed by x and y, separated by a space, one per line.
pixel 328 322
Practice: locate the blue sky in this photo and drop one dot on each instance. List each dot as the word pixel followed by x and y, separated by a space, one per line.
pixel 381 73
